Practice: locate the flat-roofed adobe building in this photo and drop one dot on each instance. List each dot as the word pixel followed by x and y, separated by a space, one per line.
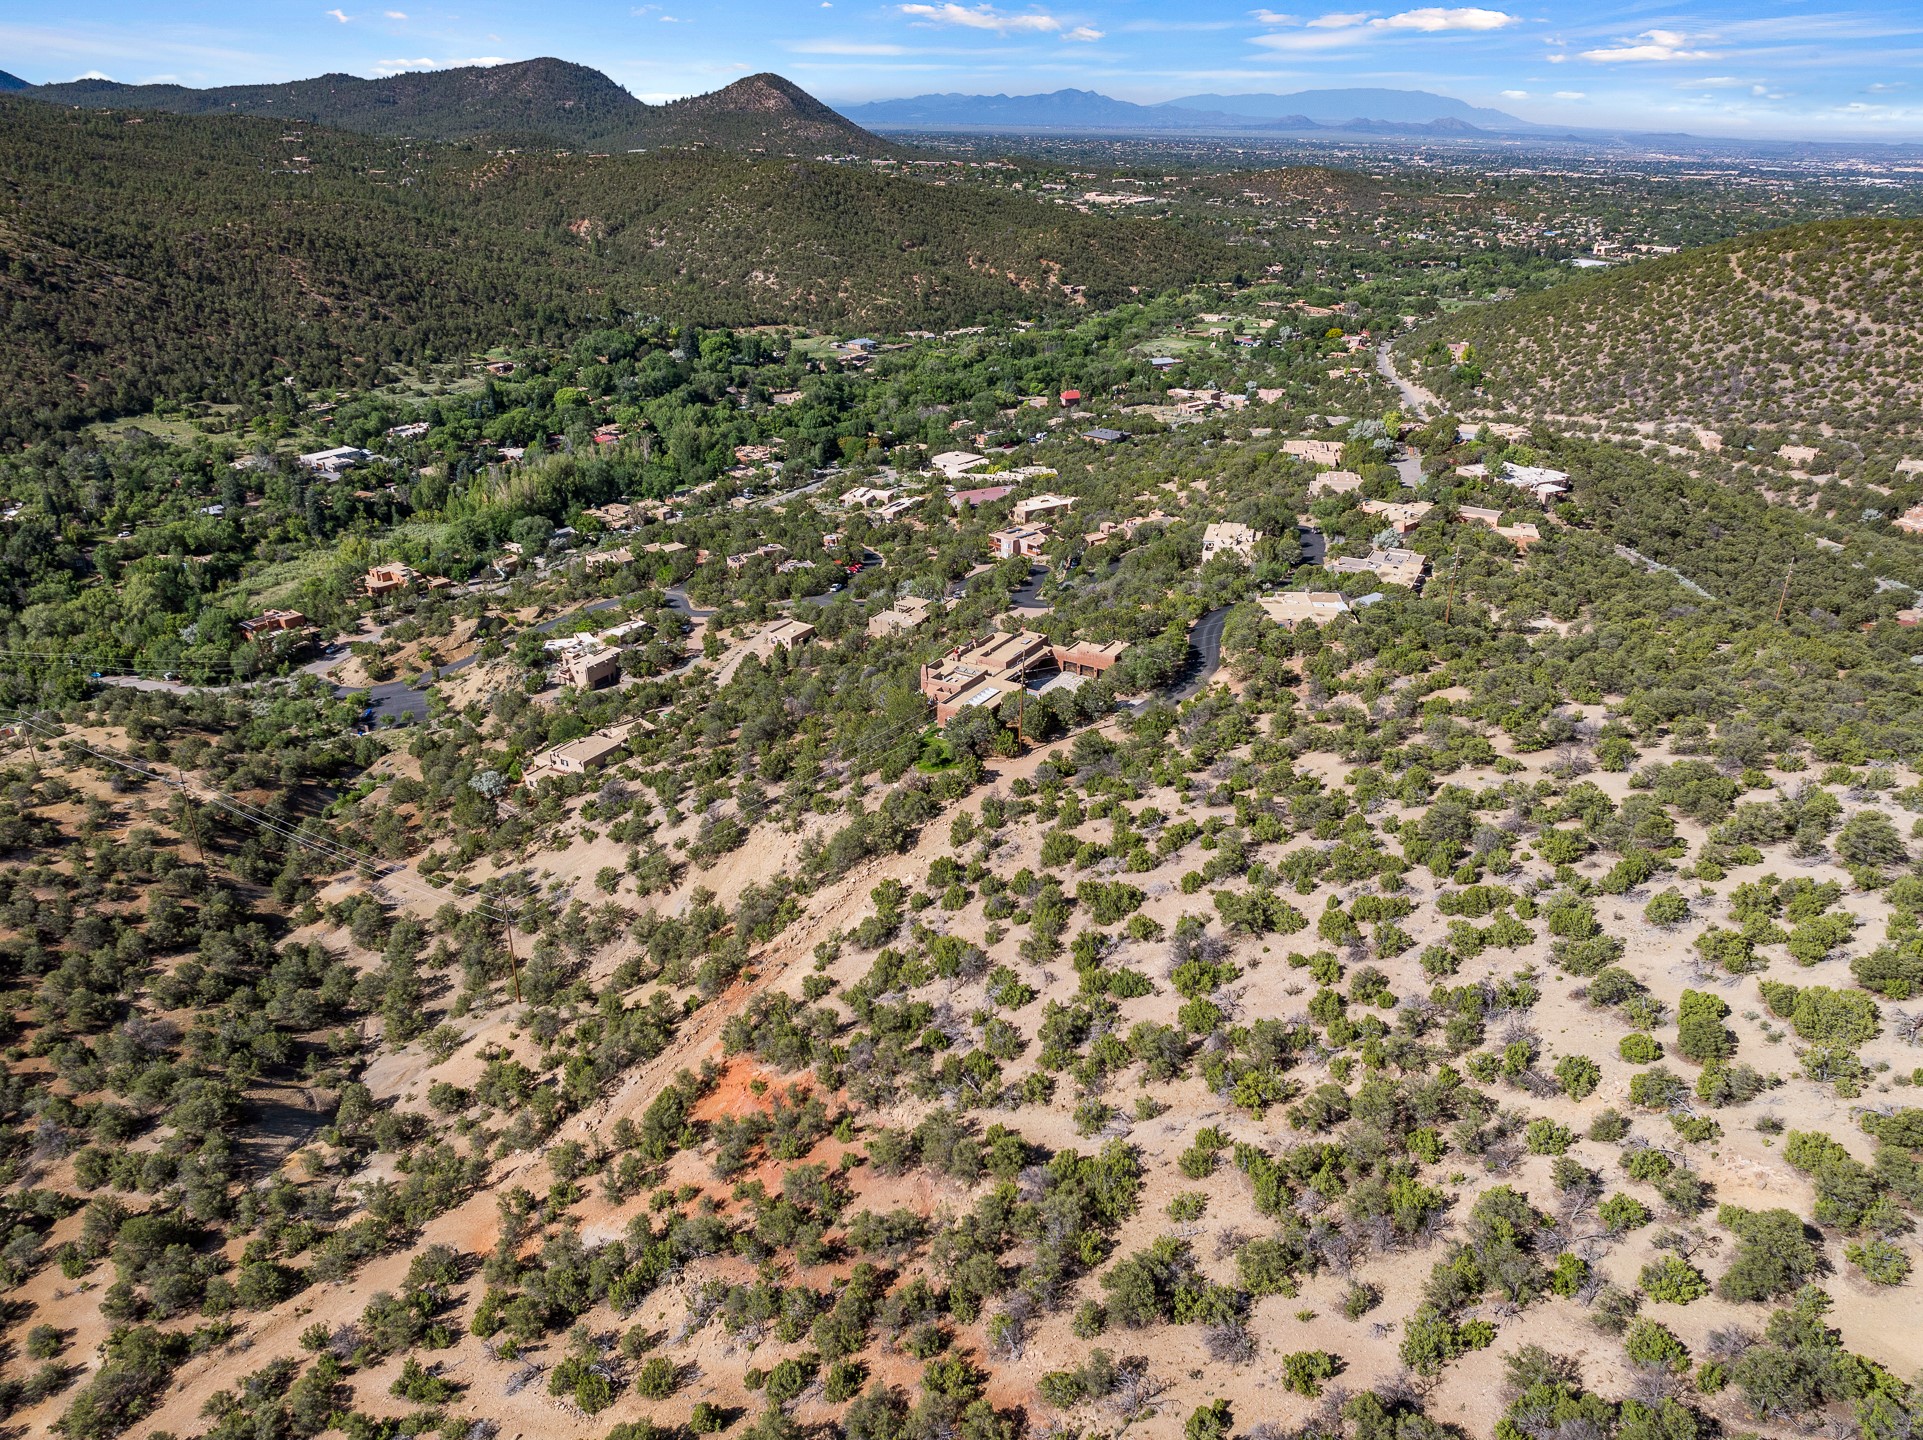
pixel 982 672
pixel 577 757
pixel 591 669
pixel 1292 607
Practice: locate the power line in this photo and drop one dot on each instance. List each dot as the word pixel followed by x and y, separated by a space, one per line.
pixel 342 855
pixel 103 666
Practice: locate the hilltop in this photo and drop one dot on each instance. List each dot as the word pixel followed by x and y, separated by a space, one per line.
pixel 544 99
pixel 1801 331
pixel 341 254
pixel 761 112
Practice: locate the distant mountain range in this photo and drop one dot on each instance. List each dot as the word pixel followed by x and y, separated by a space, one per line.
pixel 545 100
pixel 1361 110
pixel 1338 107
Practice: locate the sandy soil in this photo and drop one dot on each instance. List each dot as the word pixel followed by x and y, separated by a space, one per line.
pixel 1744 1166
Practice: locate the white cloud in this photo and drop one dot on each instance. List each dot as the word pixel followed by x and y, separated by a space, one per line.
pixel 1299 40
pixel 1342 28
pixel 93 75
pixel 1515 94
pixel 1652 45
pixel 338 15
pixel 1569 94
pixel 984 17
pixel 1432 18
pixel 844 47
pixel 1001 22
pixel 395 14
pixel 1884 87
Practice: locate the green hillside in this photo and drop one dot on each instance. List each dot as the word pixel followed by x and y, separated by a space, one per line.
pixel 547 100
pixel 157 256
pixel 1791 332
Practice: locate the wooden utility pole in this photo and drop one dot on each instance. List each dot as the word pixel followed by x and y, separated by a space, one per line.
pixel 193 821
pixel 514 965
pixel 1783 599
pixel 193 824
pixel 1449 604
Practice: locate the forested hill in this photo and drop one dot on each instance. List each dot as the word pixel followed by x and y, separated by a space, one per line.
pixel 1804 331
pixel 153 255
pixel 760 112
pixel 547 100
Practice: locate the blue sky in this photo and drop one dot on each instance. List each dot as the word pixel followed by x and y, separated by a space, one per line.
pixel 1770 67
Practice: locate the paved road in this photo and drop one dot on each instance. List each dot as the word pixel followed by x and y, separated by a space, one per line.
pixel 1409 468
pixel 1419 400
pixel 1205 656
pixel 678 601
pixel 1027 595
pixel 393 698
pixel 766 501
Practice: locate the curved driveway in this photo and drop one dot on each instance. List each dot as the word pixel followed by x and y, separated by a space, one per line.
pixel 1205 655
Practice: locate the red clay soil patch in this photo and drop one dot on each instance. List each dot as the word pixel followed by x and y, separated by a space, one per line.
pixel 732 1096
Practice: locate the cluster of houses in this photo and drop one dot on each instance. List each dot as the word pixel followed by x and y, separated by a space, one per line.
pixel 1026 536
pixel 1230 537
pixel 332 464
pixel 905 614
pixel 1325 453
pixel 1200 402
pixel 1521 535
pixel 276 623
pixel 1401 516
pixel 1391 565
pixel 743 558
pixel 1542 484
pixel 583 756
pixel 1335 482
pixel 622 515
pixel 987 670
pixel 392 577
pixel 1292 607
pixel 1124 529
pixel 587 662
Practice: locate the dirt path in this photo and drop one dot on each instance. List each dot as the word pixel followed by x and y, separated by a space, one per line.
pixel 1413 395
